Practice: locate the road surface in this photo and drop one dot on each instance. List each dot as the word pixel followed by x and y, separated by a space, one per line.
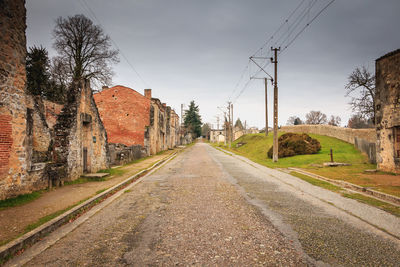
pixel 207 207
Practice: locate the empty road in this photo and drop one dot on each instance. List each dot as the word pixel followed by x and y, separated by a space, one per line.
pixel 206 207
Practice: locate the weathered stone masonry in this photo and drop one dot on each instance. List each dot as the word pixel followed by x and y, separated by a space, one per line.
pixel 80 142
pixel 388 111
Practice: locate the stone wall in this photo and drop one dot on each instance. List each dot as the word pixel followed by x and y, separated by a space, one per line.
pixel 363 139
pixel 122 154
pixel 52 110
pixel 80 144
pixel 13 109
pixel 346 134
pixel 125 114
pixel 156 134
pixel 388 111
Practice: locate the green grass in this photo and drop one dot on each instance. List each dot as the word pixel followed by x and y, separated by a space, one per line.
pixel 317 182
pixel 20 200
pixel 101 191
pixel 359 197
pixel 374 202
pixel 83 180
pixel 257 145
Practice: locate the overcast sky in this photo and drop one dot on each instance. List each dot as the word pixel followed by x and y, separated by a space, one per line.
pixel 197 49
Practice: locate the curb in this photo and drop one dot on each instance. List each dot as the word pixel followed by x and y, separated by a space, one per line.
pixel 379 195
pixel 37 234
pixel 376 194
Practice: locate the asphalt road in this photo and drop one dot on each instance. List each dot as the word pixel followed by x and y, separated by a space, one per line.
pixel 206 207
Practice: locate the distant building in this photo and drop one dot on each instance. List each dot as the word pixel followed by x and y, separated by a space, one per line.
pixel 387 107
pixel 217 136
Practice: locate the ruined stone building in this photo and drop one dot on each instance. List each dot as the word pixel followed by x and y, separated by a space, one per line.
pixel 137 125
pixel 387 107
pixel 32 153
pixel 80 141
pixel 125 114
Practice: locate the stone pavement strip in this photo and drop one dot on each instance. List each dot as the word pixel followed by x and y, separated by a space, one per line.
pixel 208 208
pixel 14 220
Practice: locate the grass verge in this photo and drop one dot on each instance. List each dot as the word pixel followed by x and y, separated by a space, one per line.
pixel 359 197
pixel 20 200
pixel 255 147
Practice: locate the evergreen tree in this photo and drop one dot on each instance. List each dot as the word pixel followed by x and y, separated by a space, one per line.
pixel 192 120
pixel 238 124
pixel 37 70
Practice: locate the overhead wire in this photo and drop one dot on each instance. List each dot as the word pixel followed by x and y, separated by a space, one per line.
pixel 284 38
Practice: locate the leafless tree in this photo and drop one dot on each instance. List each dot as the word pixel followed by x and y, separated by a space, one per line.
pixel 361 83
pixel 358 122
pixel 294 120
pixel 84 50
pixel 335 120
pixel 315 117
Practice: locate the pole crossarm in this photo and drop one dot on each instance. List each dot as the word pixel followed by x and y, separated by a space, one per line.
pixel 258 65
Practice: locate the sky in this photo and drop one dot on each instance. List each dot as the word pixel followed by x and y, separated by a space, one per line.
pixel 199 50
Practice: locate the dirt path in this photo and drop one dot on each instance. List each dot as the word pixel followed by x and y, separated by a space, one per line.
pixel 14 220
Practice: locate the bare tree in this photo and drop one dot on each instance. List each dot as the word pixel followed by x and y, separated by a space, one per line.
pixel 315 117
pixel 84 49
pixel 294 120
pixel 362 83
pixel 335 120
pixel 358 122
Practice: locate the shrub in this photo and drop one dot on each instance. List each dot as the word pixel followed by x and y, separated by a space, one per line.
pixel 291 144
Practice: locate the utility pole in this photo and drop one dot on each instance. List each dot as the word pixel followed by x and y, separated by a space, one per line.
pixel 232 137
pixel 181 114
pixel 266 107
pixel 229 123
pixel 275 145
pixel 266 101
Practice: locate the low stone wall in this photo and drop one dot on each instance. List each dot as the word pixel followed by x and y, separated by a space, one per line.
pixel 363 139
pixel 345 134
pixel 122 154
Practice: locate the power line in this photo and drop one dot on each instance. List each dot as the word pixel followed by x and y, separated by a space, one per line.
pixel 308 24
pixel 87 7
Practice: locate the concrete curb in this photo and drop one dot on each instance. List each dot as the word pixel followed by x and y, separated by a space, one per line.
pixel 379 195
pixel 37 234
pixel 375 194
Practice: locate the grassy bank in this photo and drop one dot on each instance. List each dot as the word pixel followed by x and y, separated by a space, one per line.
pixel 256 146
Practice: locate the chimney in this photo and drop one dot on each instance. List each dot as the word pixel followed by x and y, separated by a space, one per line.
pixel 147 93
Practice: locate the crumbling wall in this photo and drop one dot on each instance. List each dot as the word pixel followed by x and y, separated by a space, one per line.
pixel 387 107
pixel 122 154
pixel 80 144
pixel 157 129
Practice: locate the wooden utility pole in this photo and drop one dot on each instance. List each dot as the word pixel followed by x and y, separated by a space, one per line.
pixel 181 114
pixel 266 107
pixel 275 145
pixel 229 123
pixel 232 137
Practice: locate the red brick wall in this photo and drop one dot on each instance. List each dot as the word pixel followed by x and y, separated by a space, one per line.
pixel 125 114
pixel 5 143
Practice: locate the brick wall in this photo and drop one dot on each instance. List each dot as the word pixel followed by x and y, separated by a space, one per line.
pixel 388 111
pixel 12 97
pixel 5 143
pixel 125 114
